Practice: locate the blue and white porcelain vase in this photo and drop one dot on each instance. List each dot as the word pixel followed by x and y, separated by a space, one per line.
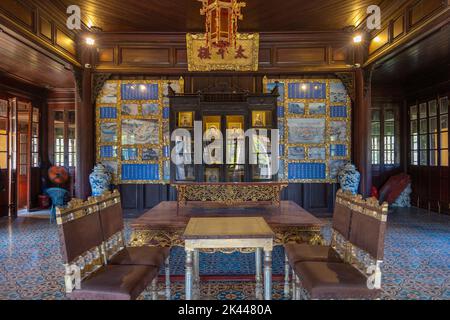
pixel 100 180
pixel 349 178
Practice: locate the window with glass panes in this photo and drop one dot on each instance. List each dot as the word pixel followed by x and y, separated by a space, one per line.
pixel 35 139
pixel 385 136
pixel 58 126
pixel 375 137
pixel 64 138
pixel 429 133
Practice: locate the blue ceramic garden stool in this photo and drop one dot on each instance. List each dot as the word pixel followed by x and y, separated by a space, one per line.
pixel 58 197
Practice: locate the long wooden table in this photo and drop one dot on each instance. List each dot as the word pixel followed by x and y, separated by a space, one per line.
pixel 164 225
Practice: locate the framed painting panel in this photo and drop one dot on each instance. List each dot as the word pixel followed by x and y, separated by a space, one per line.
pixel 150 109
pixel 130 109
pixel 306 131
pixel 318 108
pixel 109 93
pixel 296 153
pixel 296 108
pixel 338 131
pixel 137 131
pixel 317 153
pixel 108 132
pixel 186 119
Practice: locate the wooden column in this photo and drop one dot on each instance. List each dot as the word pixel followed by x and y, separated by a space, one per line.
pixel 362 115
pixel 85 127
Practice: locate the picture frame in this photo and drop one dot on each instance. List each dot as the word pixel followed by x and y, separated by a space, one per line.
pixel 186 119
pixel 212 175
pixel 259 119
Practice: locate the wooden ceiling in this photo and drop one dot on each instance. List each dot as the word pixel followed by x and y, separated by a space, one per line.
pixel 259 15
pixel 429 57
pixel 32 66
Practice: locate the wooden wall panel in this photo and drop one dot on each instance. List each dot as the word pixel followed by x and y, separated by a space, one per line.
pixel 45 28
pixel 279 53
pixel 299 56
pixel 398 27
pixel 106 55
pixel 146 56
pixel 20 11
pixel 423 9
pixel 181 57
pixel 65 42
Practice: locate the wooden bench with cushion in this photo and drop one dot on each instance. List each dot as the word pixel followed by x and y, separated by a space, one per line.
pixel 359 275
pixel 117 253
pixel 335 252
pixel 88 276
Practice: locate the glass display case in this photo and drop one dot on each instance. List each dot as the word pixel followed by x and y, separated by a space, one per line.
pixel 228 141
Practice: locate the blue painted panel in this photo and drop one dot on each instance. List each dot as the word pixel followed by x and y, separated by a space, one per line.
pixel 312 171
pixel 107 152
pixel 280 112
pixel 140 172
pixel 338 150
pixel 140 92
pixel 108 113
pixel 312 90
pixel 166 113
pixel 338 112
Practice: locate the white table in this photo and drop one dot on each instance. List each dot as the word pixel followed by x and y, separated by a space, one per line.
pixel 228 233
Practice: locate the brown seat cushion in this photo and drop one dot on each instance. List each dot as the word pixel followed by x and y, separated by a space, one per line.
pixel 323 280
pixel 304 252
pixel 143 256
pixel 116 283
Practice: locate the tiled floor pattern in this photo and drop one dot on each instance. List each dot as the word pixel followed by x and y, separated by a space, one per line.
pixel 417 261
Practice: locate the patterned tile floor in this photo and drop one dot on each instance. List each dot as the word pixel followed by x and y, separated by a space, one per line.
pixel 417 261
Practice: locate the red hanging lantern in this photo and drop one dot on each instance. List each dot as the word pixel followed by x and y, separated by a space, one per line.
pixel 222 21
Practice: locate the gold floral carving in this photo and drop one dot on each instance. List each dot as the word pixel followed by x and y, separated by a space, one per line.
pixel 230 193
pixel 174 238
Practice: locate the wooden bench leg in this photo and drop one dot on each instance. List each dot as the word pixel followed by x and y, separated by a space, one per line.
pixel 167 269
pixel 294 291
pixel 155 288
pixel 298 288
pixel 286 276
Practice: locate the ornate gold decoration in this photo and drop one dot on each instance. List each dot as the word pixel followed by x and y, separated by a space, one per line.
pixel 229 193
pixel 173 237
pixel 75 209
pixel 245 57
pixel 162 102
pixel 328 119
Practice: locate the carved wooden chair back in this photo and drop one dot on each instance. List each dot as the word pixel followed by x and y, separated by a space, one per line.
pixel 342 217
pixel 111 219
pixel 81 240
pixel 367 233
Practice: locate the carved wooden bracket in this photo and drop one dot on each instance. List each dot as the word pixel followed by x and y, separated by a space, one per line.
pixel 78 76
pixel 368 72
pixel 348 79
pixel 98 82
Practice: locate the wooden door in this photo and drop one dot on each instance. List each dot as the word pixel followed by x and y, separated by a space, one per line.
pixel 23 156
pixel 4 163
pixel 12 175
pixel 34 185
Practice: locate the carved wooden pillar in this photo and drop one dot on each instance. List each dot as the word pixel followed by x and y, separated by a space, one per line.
pixel 362 115
pixel 85 125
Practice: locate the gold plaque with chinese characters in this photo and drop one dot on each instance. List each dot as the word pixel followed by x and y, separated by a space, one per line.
pixel 204 57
